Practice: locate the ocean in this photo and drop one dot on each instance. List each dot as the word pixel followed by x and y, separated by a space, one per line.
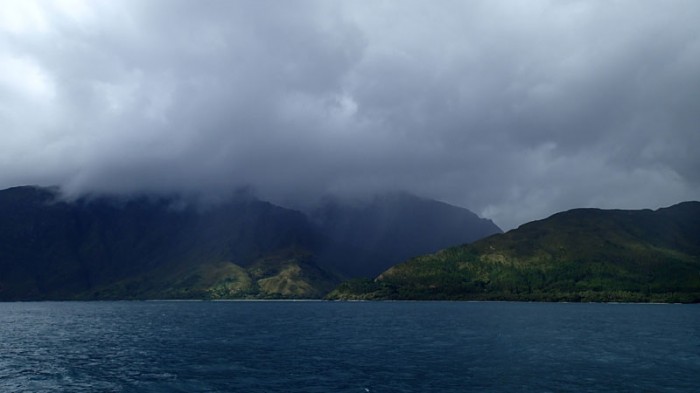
pixel 359 347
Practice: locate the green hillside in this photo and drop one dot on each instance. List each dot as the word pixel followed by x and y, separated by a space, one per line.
pixel 578 255
pixel 289 275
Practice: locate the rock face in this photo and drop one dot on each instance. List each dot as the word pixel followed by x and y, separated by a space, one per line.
pixel 578 255
pixel 156 247
pixel 367 237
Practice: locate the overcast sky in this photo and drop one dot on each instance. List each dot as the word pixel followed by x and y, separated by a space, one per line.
pixel 513 109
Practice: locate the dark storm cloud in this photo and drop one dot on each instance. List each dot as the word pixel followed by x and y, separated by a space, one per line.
pixel 515 109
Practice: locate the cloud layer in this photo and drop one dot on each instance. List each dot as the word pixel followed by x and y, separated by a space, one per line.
pixel 514 109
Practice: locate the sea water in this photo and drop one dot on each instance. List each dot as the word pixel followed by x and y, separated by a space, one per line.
pixel 283 346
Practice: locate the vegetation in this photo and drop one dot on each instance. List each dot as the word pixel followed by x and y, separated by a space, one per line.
pixel 286 275
pixel 579 255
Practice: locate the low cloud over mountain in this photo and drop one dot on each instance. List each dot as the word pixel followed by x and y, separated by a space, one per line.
pixel 512 109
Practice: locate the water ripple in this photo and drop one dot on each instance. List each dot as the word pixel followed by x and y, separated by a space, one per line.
pixel 347 347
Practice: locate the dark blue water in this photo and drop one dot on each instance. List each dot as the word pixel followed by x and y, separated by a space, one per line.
pixel 348 347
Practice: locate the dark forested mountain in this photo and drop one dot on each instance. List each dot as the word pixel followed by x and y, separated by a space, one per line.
pixel 148 247
pixel 578 255
pixel 367 237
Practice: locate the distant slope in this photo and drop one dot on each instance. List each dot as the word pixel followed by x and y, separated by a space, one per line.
pixel 367 237
pixel 578 255
pixel 132 248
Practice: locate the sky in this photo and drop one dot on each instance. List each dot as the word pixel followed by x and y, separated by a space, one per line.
pixel 513 109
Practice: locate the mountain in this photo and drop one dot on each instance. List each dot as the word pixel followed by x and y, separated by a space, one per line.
pixel 153 248
pixel 163 247
pixel 578 255
pixel 367 237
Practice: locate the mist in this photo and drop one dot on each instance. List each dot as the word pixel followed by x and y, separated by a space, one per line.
pixel 513 109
